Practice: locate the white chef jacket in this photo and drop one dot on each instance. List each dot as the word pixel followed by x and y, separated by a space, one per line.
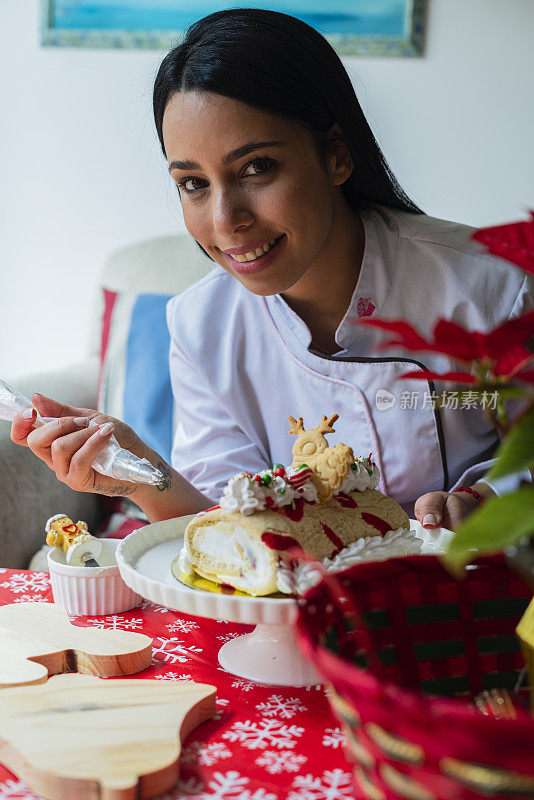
pixel 241 363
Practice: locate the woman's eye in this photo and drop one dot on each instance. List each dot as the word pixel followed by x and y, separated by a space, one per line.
pixel 258 166
pixel 190 185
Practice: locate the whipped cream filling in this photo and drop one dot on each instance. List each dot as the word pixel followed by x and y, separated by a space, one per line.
pixel 400 542
pixel 227 553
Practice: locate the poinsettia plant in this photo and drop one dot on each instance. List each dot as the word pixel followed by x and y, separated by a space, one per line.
pixel 499 363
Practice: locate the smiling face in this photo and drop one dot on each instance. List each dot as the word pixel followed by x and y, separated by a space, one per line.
pixel 255 193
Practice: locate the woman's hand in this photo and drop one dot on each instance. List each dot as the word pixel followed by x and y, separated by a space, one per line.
pixel 449 509
pixel 68 445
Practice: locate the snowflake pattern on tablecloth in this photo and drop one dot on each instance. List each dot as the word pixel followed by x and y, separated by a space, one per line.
pixel 220 703
pixel 181 626
pixel 227 636
pixel 280 761
pixel 335 784
pixel 186 787
pixel 147 605
pixel 333 737
pixel 263 734
pixel 173 676
pixel 27 582
pixel 15 790
pixel 172 650
pixel 281 707
pixel 115 622
pixel 231 786
pixel 31 598
pixel 206 754
pixel 244 686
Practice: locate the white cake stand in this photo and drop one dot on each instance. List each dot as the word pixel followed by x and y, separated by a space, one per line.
pixel 269 654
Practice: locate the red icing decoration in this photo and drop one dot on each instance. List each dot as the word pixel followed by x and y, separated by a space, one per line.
pixel 69 528
pixel 299 478
pixel 279 541
pixel 378 523
pixel 280 472
pixel 295 511
pixel 346 500
pixel 336 541
pixel 269 501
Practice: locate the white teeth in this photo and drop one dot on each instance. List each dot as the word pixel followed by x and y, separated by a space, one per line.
pixel 251 255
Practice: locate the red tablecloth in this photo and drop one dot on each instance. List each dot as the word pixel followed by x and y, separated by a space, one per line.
pixel 266 742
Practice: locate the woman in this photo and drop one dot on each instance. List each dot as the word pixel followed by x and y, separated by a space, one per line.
pixel 283 185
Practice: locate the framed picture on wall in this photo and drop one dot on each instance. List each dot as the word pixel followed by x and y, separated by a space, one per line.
pixel 353 27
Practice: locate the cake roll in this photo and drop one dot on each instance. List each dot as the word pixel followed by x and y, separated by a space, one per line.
pixel 250 552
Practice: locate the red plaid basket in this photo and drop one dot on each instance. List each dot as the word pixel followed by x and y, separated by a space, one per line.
pixel 406 648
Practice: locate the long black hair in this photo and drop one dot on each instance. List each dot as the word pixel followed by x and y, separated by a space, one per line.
pixel 280 64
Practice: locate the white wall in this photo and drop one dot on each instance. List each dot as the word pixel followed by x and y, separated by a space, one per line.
pixel 81 173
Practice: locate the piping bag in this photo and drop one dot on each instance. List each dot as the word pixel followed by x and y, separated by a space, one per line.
pixel 113 460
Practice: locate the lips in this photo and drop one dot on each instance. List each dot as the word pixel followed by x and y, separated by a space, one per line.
pixel 259 262
pixel 250 251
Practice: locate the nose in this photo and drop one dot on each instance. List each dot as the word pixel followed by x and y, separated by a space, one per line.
pixel 231 212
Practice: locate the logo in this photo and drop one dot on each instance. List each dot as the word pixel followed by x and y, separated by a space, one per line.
pixel 365 307
pixel 384 400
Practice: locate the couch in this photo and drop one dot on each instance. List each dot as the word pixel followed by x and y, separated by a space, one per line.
pixel 29 491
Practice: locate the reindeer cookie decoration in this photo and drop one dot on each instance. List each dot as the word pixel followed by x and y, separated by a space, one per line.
pixel 329 465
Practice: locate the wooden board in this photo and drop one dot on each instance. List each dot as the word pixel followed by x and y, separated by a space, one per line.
pixel 38 640
pixel 82 738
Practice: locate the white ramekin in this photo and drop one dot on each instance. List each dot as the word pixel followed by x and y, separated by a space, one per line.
pixel 90 590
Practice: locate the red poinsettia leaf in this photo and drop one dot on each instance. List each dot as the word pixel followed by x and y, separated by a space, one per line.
pixel 513 242
pixel 405 335
pixel 509 335
pixel 527 375
pixel 508 364
pixel 453 340
pixel 453 377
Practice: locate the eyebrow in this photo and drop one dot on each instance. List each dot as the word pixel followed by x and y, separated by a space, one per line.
pixel 233 155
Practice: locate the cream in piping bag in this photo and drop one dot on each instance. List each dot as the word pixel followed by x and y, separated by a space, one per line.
pixel 113 460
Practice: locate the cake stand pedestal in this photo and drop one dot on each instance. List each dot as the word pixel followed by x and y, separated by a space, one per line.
pixel 268 655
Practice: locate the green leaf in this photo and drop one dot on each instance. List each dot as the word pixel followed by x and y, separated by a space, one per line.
pixel 499 522
pixel 517 449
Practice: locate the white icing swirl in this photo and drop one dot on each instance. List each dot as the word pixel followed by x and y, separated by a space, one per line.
pixel 358 478
pixel 400 542
pixel 246 495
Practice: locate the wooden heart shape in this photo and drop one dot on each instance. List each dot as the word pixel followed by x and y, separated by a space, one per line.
pixel 38 640
pixel 82 738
